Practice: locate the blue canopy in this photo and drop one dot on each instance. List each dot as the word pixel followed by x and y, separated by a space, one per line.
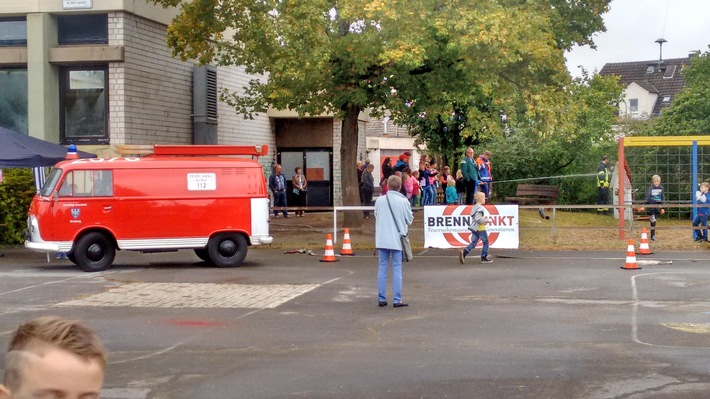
pixel 19 150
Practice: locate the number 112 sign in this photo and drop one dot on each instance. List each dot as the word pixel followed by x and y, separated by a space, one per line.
pixel 201 182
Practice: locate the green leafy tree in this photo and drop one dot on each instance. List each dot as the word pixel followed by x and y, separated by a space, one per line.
pixel 345 57
pixel 572 144
pixel 689 114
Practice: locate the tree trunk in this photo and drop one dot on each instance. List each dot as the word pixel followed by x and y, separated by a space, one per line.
pixel 348 165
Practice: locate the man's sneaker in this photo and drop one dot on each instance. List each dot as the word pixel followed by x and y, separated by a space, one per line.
pixel 653 238
pixel 486 260
pixel 462 256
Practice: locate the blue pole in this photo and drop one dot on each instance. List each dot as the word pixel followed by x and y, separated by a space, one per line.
pixel 695 180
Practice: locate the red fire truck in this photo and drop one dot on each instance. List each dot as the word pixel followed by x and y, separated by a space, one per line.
pixel 179 197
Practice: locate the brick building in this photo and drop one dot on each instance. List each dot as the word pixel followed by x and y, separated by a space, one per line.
pixel 99 74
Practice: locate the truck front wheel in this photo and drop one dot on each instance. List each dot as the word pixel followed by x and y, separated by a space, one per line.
pixel 94 252
pixel 227 249
pixel 203 254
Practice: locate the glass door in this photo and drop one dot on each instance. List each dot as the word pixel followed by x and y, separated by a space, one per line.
pixel 318 170
pixel 317 166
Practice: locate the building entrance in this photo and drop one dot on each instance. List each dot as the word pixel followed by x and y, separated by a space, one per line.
pixel 317 164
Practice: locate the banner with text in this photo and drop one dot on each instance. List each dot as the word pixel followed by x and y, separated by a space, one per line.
pixel 446 226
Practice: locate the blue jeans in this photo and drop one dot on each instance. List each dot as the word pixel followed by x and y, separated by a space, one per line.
pixel 432 194
pixel 700 220
pixel 475 236
pixel 280 200
pixel 428 195
pixel 424 200
pixel 486 188
pixel 384 255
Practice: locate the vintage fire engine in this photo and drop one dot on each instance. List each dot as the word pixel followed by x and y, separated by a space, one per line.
pixel 178 197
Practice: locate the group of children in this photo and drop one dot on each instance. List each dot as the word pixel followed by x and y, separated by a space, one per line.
pixel 420 186
pixel 655 196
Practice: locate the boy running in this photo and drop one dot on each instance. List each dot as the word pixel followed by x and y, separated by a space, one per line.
pixel 478 229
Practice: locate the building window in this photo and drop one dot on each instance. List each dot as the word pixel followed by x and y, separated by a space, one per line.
pixel 667 99
pixel 13 99
pixel 13 31
pixel 83 105
pixel 83 29
pixel 634 105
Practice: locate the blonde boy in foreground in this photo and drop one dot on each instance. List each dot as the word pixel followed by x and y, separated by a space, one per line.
pixel 50 357
pixel 478 229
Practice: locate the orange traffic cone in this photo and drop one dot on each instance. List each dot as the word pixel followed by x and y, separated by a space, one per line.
pixel 329 255
pixel 644 249
pixel 347 248
pixel 631 257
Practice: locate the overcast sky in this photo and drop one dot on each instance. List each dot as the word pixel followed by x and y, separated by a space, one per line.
pixel 632 27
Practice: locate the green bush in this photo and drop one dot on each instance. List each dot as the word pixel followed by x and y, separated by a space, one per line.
pixel 16 192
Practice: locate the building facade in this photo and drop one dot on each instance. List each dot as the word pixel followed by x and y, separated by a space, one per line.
pixel 385 139
pixel 99 74
pixel 650 86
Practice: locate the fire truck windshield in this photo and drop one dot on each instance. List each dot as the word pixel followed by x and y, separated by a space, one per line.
pixel 52 180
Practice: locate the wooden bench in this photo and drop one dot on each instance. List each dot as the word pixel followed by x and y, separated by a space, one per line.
pixel 535 194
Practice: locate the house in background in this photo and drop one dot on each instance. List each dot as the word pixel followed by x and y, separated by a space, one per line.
pixel 387 139
pixel 99 74
pixel 650 86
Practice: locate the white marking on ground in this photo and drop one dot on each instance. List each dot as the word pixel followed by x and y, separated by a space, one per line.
pixel 84 276
pixel 194 295
pixel 636 303
pixel 125 393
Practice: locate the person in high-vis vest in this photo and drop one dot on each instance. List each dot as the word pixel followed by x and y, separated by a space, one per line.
pixel 603 184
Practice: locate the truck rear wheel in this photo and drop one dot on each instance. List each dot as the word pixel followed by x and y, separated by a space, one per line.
pixel 94 252
pixel 227 249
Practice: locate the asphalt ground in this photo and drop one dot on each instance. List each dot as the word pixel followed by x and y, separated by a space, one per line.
pixel 530 325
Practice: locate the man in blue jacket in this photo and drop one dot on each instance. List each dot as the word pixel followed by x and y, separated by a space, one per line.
pixel 277 184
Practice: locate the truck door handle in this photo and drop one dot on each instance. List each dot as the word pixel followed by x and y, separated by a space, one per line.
pixel 108 207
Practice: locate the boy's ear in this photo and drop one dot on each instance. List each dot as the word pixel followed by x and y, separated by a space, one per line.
pixel 5 393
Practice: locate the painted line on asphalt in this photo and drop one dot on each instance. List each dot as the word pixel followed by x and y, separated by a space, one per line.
pixel 83 276
pixel 635 306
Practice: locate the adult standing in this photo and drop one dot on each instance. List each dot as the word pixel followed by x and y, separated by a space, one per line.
pixel 277 184
pixel 484 172
pixel 359 171
pixel 299 189
pixel 387 171
pixel 470 175
pixel 388 224
pixel 368 187
pixel 603 184
pixel 402 162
